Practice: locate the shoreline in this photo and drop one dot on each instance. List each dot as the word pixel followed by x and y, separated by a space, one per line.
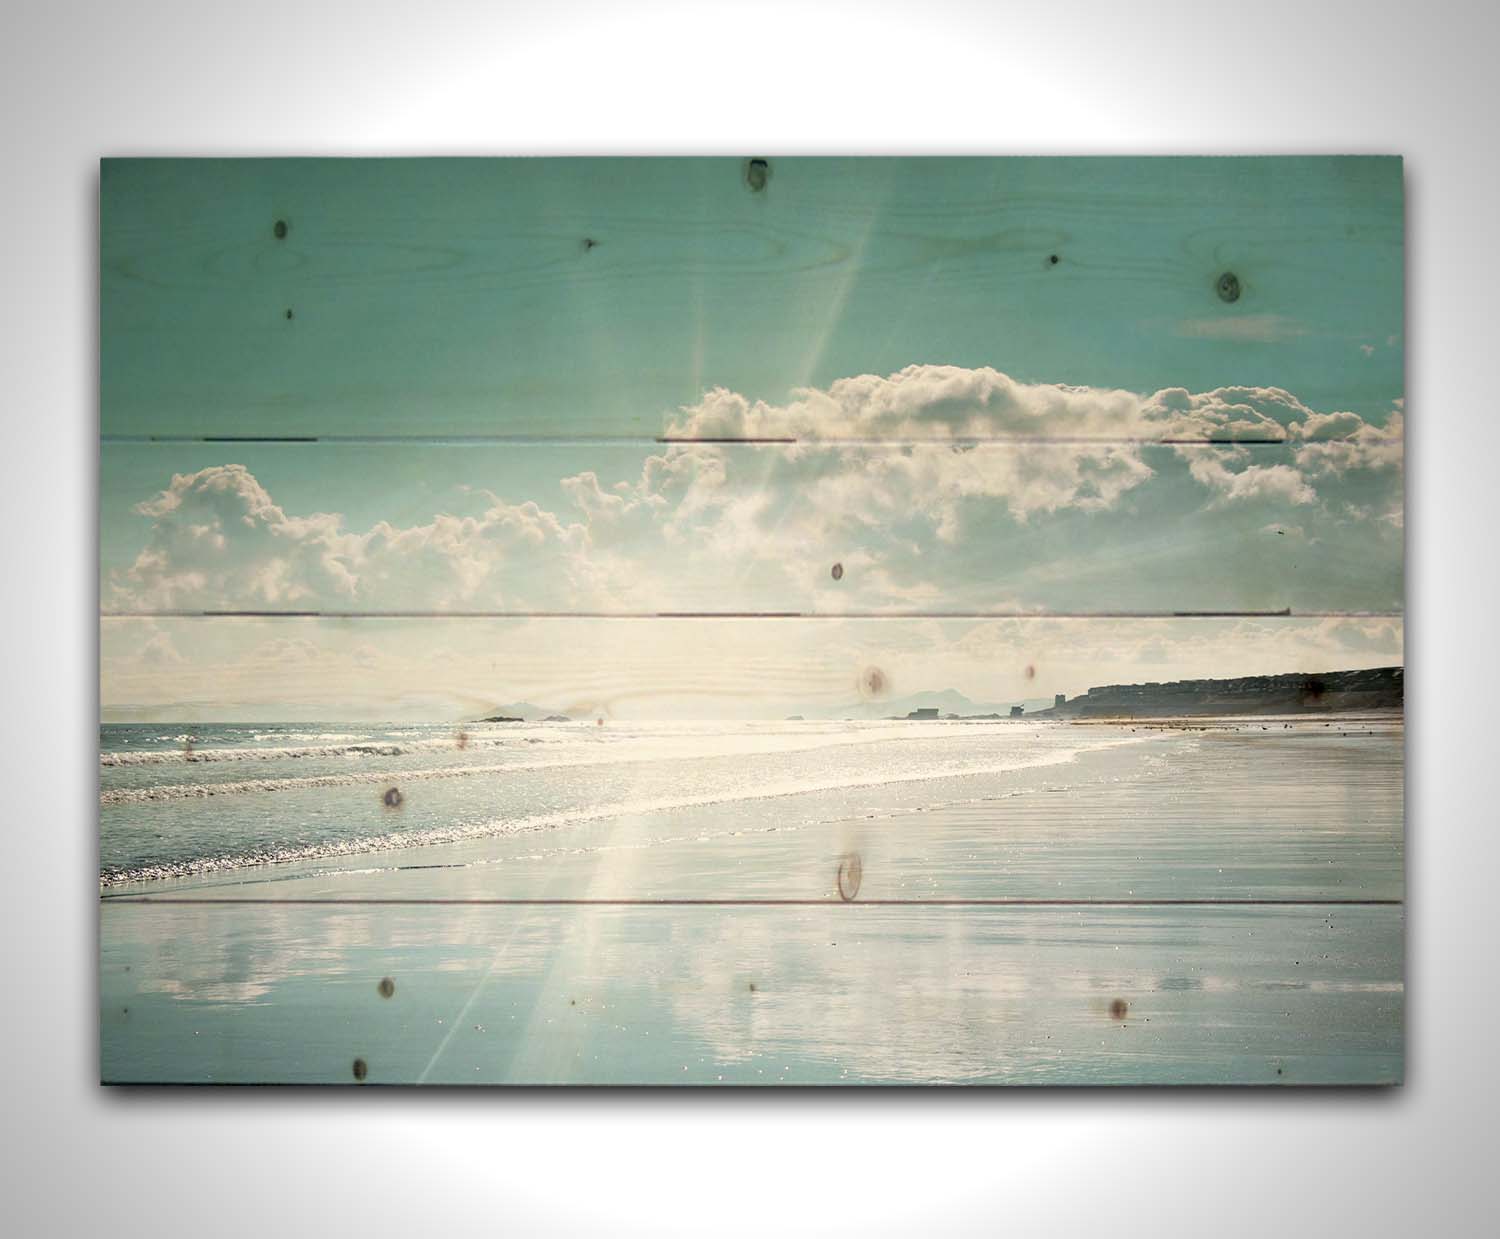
pixel 288 863
pixel 501 831
pixel 1167 912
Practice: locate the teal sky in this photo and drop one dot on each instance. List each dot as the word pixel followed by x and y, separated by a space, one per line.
pixel 978 427
pixel 562 297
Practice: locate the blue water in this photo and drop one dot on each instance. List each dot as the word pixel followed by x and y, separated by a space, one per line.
pixel 178 801
pixel 280 840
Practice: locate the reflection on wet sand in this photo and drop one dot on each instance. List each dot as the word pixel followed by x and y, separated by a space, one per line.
pixel 846 993
pixel 834 983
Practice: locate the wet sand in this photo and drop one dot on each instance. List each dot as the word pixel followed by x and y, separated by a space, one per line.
pixel 1197 906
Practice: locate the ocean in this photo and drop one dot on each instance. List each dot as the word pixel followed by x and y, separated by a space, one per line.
pixel 818 902
pixel 180 802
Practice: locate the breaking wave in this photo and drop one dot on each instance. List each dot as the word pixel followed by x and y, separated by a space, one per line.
pixel 368 748
pixel 463 832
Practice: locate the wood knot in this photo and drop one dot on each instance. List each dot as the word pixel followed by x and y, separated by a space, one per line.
pixel 851 872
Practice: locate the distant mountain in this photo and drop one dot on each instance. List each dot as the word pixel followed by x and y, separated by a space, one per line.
pixel 522 710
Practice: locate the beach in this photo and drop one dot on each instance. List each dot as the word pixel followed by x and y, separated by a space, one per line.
pixel 1212 901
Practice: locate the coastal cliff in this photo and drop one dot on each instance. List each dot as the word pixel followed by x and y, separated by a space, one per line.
pixel 1376 688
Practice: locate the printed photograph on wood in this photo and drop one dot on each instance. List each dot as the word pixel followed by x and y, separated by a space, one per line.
pixel 751 621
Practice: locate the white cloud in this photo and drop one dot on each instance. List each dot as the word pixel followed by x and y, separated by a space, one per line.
pixel 1360 447
pixel 897 477
pixel 878 457
pixel 217 539
pixel 1211 467
pixel 944 403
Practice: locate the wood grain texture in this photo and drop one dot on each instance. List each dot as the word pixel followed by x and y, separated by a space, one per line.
pixel 1314 815
pixel 1018 421
pixel 586 528
pixel 573 297
pixel 841 994
pixel 226 669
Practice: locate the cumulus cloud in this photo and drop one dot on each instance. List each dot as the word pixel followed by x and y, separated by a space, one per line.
pixel 919 460
pixel 1213 467
pixel 901 478
pixel 1357 446
pixel 927 402
pixel 917 402
pixel 218 539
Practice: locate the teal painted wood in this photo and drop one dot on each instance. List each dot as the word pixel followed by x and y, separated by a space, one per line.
pixel 577 297
pixel 587 528
pixel 597 306
pixel 840 994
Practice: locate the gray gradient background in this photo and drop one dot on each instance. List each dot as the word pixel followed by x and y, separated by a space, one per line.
pixel 82 81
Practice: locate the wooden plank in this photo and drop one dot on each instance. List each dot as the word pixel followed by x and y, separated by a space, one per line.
pixel 640 529
pixel 445 671
pixel 566 297
pixel 960 813
pixel 842 994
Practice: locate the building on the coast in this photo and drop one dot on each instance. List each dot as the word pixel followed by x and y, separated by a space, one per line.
pixel 1017 711
pixel 924 712
pixel 1060 699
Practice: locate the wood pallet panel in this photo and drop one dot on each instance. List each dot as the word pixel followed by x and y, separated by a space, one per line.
pixel 732 466
pixel 616 529
pixel 570 297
